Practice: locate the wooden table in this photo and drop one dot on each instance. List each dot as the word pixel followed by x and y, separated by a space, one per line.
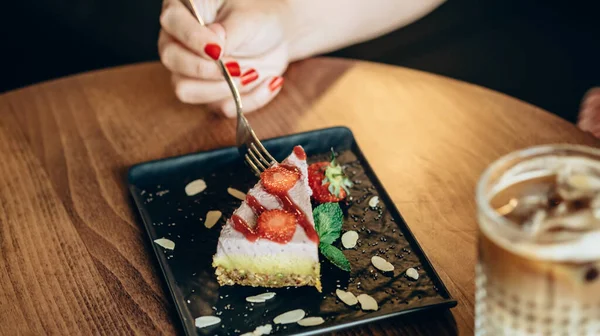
pixel 74 258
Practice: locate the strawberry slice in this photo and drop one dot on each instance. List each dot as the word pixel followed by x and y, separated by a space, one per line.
pixel 279 179
pixel 276 225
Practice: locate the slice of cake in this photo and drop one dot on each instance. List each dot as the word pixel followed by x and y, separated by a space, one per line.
pixel 270 240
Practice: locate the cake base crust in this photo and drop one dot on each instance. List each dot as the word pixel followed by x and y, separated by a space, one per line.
pixel 228 277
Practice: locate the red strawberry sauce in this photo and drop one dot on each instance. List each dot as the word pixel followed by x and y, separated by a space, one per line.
pixel 241 226
pixel 255 205
pixel 300 153
pixel 287 203
pixel 291 207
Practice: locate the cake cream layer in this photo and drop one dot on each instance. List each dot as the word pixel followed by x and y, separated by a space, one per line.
pixel 233 243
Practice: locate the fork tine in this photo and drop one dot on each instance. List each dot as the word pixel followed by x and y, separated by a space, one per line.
pixel 252 165
pixel 259 164
pixel 263 149
pixel 258 154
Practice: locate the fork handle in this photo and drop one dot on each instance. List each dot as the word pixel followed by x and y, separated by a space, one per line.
pixel 234 91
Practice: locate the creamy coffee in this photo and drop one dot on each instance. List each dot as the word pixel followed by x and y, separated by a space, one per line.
pixel 539 246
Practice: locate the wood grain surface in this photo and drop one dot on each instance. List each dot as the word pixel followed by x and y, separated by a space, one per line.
pixel 74 258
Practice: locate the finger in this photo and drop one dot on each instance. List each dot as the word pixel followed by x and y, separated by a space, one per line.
pixel 182 26
pixel 254 70
pixel 590 107
pixel 591 99
pixel 255 99
pixel 181 60
pixel 194 91
pixel 197 91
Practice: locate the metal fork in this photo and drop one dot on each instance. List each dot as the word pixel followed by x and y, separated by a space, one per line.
pixel 249 147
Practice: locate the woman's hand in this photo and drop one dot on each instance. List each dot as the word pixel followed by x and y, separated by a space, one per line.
pixel 257 38
pixel 589 113
pixel 248 35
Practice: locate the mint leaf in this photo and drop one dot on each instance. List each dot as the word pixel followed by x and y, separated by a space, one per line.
pixel 336 256
pixel 328 222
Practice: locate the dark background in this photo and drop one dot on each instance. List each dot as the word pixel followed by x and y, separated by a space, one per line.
pixel 544 52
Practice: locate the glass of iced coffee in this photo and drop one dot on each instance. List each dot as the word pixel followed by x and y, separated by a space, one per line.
pixel 539 243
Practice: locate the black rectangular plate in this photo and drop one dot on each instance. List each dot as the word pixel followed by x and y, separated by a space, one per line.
pixel 158 190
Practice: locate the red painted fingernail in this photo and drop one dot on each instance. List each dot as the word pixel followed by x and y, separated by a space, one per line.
pixel 234 68
pixel 213 51
pixel 276 83
pixel 249 76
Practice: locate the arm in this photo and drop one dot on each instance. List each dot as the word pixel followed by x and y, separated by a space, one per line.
pixel 320 26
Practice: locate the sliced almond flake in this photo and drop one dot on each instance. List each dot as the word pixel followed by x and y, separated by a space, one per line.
pixel 349 239
pixel 412 273
pixel 236 193
pixel 263 330
pixel 260 330
pixel 256 299
pixel 374 201
pixel 165 243
pixel 212 217
pixel 292 316
pixel 367 302
pixel 260 297
pixel 267 296
pixel 382 264
pixel 311 321
pixel 195 187
pixel 346 297
pixel 207 321
pixel 162 193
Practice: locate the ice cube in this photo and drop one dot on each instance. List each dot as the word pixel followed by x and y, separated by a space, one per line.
pixel 535 224
pixel 582 220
